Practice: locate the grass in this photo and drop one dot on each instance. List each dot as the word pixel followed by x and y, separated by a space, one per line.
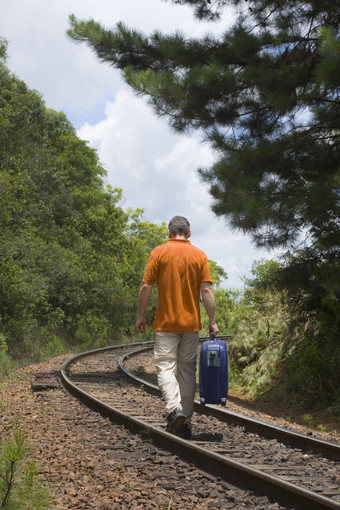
pixel 140 372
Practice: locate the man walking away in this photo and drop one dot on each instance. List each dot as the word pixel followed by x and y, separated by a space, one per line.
pixel 181 272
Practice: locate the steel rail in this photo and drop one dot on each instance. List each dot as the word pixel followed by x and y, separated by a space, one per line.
pixel 229 470
pixel 327 449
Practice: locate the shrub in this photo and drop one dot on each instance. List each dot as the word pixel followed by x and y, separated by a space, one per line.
pixel 19 485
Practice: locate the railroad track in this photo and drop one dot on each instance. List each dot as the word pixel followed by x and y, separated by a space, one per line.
pixel 297 471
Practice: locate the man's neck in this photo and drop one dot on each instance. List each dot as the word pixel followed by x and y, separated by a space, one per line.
pixel 182 237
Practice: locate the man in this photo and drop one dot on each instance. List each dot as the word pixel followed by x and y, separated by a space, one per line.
pixel 181 272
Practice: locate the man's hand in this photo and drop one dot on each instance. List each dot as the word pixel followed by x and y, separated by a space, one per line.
pixel 213 328
pixel 141 324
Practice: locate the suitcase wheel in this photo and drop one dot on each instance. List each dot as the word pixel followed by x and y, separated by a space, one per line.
pixel 202 401
pixel 223 401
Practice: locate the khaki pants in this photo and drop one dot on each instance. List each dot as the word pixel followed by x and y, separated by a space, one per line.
pixel 175 357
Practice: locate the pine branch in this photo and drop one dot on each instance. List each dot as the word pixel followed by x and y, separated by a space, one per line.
pixel 9 484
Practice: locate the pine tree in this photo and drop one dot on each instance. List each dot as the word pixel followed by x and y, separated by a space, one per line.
pixel 265 94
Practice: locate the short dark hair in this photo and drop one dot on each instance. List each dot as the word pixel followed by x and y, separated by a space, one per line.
pixel 179 225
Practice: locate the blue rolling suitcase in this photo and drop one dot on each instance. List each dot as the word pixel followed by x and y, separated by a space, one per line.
pixel 213 374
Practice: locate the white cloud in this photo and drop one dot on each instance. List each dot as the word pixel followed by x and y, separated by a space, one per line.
pixel 68 74
pixel 158 172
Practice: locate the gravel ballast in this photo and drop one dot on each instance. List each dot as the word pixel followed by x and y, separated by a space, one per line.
pixel 88 462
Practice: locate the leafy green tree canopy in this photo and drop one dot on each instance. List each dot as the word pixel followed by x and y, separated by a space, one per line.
pixel 266 95
pixel 71 259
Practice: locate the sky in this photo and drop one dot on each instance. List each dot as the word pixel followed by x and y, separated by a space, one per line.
pixel 156 169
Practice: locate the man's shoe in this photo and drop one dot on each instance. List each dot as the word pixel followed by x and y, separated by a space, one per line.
pixel 184 431
pixel 175 421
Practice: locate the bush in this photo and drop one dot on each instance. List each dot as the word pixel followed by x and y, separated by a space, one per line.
pixel 6 363
pixel 19 485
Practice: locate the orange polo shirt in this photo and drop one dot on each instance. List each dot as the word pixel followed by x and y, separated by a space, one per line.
pixel 179 268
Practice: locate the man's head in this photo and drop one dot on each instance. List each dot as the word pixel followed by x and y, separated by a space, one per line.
pixel 179 226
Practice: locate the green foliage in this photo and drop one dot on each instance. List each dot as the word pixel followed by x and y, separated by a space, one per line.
pixel 71 259
pixel 260 320
pixel 307 419
pixel 6 363
pixel 224 301
pixel 283 349
pixel 204 9
pixel 19 484
pixel 313 367
pixel 265 94
pixel 264 273
pixel 313 349
pixel 257 349
pixel 217 273
pixel 3 50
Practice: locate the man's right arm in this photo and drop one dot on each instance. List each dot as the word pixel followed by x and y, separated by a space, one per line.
pixel 208 299
pixel 143 300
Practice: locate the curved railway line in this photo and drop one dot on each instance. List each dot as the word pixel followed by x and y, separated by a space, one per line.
pixel 297 471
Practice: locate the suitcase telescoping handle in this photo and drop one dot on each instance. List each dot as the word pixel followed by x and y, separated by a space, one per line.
pixel 212 336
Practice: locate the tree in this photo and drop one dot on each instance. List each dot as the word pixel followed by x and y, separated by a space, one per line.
pixel 70 257
pixel 266 94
